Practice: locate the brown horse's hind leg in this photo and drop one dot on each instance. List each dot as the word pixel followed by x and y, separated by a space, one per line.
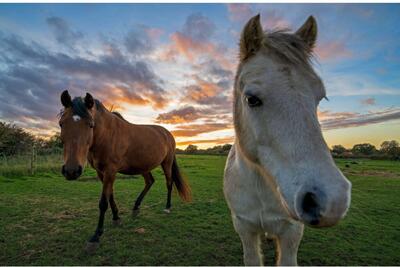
pixel 167 168
pixel 148 180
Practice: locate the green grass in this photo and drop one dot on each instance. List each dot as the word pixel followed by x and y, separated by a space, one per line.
pixel 46 220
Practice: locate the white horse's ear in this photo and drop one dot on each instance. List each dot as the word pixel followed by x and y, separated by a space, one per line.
pixel 251 38
pixel 308 32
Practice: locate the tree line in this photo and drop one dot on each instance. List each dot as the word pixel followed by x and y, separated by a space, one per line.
pixel 388 150
pixel 15 141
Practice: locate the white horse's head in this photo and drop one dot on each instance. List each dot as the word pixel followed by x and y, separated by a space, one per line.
pixel 275 111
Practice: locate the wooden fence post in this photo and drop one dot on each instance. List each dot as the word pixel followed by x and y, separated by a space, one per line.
pixel 33 160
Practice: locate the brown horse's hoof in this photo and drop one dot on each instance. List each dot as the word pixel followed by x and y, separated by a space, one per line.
pixel 117 222
pixel 168 211
pixel 91 247
pixel 135 213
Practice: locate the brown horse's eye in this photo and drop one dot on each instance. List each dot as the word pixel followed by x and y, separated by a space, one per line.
pixel 60 124
pixel 253 101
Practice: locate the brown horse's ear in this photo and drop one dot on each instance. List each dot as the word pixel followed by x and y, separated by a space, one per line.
pixel 308 32
pixel 89 101
pixel 66 99
pixel 251 38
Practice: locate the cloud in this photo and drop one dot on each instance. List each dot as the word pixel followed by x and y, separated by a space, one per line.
pixel 194 51
pixel 332 50
pixel 182 115
pixel 32 78
pixel 198 27
pixel 215 72
pixel 272 20
pixel 205 93
pixel 139 40
pixel 209 70
pixel 239 12
pixel 193 43
pixel 368 101
pixel 63 33
pixel 196 129
pixel 327 115
pixel 351 119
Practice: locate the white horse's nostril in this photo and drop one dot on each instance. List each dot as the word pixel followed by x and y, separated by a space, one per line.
pixel 310 203
pixel 311 208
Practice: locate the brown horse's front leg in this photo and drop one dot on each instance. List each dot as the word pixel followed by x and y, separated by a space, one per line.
pixel 103 205
pixel 114 209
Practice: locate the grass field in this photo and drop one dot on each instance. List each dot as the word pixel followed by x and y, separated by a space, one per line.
pixel 46 220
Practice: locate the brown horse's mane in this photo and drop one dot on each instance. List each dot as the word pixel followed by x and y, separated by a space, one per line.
pixel 119 115
pixel 79 108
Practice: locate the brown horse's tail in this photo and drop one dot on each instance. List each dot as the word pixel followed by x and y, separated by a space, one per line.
pixel 180 183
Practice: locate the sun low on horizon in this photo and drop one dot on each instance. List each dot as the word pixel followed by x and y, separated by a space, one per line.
pixel 174 65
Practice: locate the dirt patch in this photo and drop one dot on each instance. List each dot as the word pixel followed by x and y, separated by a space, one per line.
pixel 140 230
pixel 65 215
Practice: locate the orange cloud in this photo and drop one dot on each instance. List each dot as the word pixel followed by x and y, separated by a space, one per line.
pixel 192 50
pixel 202 90
pixel 206 93
pixel 327 114
pixel 196 129
pixel 115 96
pixel 176 116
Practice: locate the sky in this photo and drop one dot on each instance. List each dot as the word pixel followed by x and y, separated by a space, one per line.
pixel 174 65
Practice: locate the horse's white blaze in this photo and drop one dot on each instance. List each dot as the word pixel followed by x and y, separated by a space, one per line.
pixel 76 118
pixel 279 173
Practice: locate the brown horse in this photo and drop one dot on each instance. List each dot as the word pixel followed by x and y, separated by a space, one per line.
pixel 113 145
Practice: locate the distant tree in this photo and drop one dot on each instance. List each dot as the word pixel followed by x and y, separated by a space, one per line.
pixel 338 149
pixel 55 141
pixel 14 140
pixel 364 149
pixel 191 149
pixel 391 148
pixel 226 148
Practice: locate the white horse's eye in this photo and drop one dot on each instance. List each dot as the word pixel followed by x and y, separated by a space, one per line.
pixel 253 101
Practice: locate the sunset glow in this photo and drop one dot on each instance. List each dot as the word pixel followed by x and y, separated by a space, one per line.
pixel 174 65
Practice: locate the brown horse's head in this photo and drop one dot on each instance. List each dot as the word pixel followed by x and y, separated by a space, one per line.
pixel 77 123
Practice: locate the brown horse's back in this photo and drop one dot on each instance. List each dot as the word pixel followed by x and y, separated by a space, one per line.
pixel 147 146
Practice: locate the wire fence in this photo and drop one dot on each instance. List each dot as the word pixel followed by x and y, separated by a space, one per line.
pixel 31 162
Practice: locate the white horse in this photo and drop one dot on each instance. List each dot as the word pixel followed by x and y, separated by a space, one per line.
pixel 280 174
